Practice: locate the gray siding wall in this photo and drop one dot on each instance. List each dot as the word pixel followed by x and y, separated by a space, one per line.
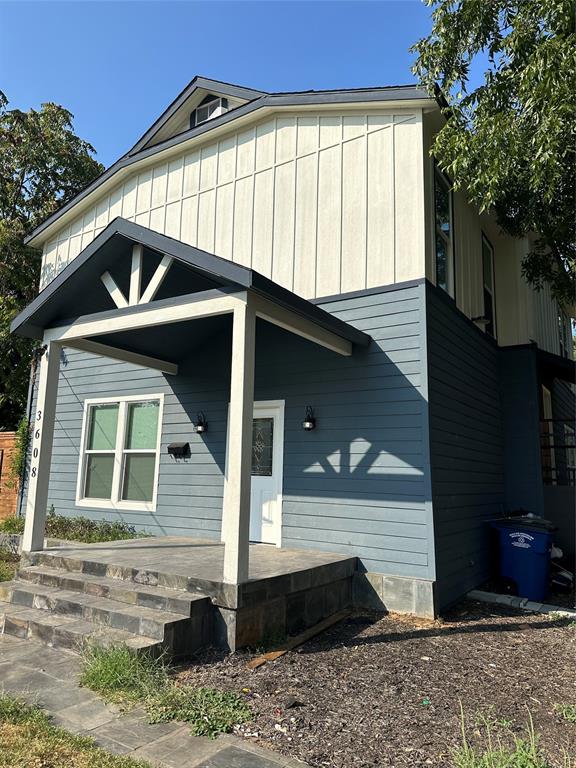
pixel 189 489
pixel 357 484
pixel 466 444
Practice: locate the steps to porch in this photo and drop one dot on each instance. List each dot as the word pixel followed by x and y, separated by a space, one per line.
pixel 67 609
pixel 167 594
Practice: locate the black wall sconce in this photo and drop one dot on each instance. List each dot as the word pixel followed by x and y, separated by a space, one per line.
pixel 309 422
pixel 201 426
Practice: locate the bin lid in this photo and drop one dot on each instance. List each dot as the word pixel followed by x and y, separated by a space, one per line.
pixel 532 522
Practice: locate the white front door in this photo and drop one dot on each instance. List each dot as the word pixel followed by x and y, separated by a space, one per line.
pixel 267 471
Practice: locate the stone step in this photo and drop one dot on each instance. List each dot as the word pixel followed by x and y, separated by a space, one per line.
pixel 135 619
pixel 82 565
pixel 130 592
pixel 60 631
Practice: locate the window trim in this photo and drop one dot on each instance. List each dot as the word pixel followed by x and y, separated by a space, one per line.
pixel 451 287
pixel 116 502
pixel 486 239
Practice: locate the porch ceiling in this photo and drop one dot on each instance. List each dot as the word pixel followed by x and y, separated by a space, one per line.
pixel 78 292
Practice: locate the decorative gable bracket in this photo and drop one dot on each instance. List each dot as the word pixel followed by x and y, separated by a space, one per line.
pixel 135 295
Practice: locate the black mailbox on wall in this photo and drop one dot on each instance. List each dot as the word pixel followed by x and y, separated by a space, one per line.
pixel 179 449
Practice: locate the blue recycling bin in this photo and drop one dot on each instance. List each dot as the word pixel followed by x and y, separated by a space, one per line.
pixel 525 545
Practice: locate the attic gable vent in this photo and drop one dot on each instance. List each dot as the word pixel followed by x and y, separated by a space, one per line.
pixel 210 107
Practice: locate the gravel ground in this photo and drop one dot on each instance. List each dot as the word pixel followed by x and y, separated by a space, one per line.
pixel 379 691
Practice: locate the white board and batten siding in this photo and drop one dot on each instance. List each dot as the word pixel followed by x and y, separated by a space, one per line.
pixel 321 204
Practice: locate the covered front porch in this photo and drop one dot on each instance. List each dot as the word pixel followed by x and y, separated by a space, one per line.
pixel 139 297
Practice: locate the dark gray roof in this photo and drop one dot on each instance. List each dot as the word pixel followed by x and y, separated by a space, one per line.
pixel 347 96
pixel 77 284
pixel 198 83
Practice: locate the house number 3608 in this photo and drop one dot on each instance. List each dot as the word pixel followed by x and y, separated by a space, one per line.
pixel 35 450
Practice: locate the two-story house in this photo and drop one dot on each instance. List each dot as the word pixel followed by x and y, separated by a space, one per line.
pixel 272 320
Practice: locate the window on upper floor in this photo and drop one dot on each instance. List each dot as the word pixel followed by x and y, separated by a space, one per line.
pixel 210 107
pixel 563 334
pixel 443 232
pixel 488 282
pixel 120 453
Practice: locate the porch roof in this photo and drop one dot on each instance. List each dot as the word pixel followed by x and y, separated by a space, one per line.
pixel 78 291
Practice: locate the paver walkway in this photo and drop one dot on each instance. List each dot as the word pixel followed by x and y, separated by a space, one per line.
pixel 48 677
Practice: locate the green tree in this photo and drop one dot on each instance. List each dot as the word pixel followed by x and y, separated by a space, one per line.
pixel 42 165
pixel 511 141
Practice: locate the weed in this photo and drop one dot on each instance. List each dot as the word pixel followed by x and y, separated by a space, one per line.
pixel 8 564
pixel 207 710
pixel 566 711
pixel 122 676
pixel 497 752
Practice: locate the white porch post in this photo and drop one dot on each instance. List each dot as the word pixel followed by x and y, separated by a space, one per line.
pixel 236 506
pixel 42 427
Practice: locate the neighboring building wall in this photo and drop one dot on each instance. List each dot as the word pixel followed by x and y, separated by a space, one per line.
pixel 8 488
pixel 320 204
pixel 466 445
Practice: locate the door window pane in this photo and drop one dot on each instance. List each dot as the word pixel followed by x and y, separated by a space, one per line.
pixel 142 431
pixel 138 477
pixel 99 472
pixel 102 427
pixel 262 442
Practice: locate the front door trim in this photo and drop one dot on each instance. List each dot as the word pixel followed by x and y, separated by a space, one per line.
pixel 277 457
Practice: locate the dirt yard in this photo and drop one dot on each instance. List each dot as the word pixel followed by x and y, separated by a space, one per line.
pixel 386 691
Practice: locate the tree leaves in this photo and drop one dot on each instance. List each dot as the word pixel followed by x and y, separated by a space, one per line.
pixel 511 142
pixel 43 164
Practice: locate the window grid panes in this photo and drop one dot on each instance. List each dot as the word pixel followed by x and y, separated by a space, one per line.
pixel 120 455
pixel 444 247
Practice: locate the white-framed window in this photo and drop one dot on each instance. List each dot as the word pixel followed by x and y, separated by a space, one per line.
pixel 210 107
pixel 562 334
pixel 489 284
pixel 120 452
pixel 443 232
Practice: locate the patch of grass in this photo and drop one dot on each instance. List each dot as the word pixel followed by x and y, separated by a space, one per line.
pixel 77 528
pixel 27 738
pixel 8 564
pixel 500 750
pixel 566 711
pixel 122 676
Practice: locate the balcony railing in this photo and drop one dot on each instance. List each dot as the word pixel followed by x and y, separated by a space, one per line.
pixel 558 451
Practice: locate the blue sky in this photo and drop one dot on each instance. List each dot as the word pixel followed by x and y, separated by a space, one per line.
pixel 117 65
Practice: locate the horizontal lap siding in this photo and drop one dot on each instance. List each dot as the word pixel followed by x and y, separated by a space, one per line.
pixel 357 483
pixel 189 489
pixel 466 445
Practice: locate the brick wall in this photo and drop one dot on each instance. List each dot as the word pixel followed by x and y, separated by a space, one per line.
pixel 8 491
